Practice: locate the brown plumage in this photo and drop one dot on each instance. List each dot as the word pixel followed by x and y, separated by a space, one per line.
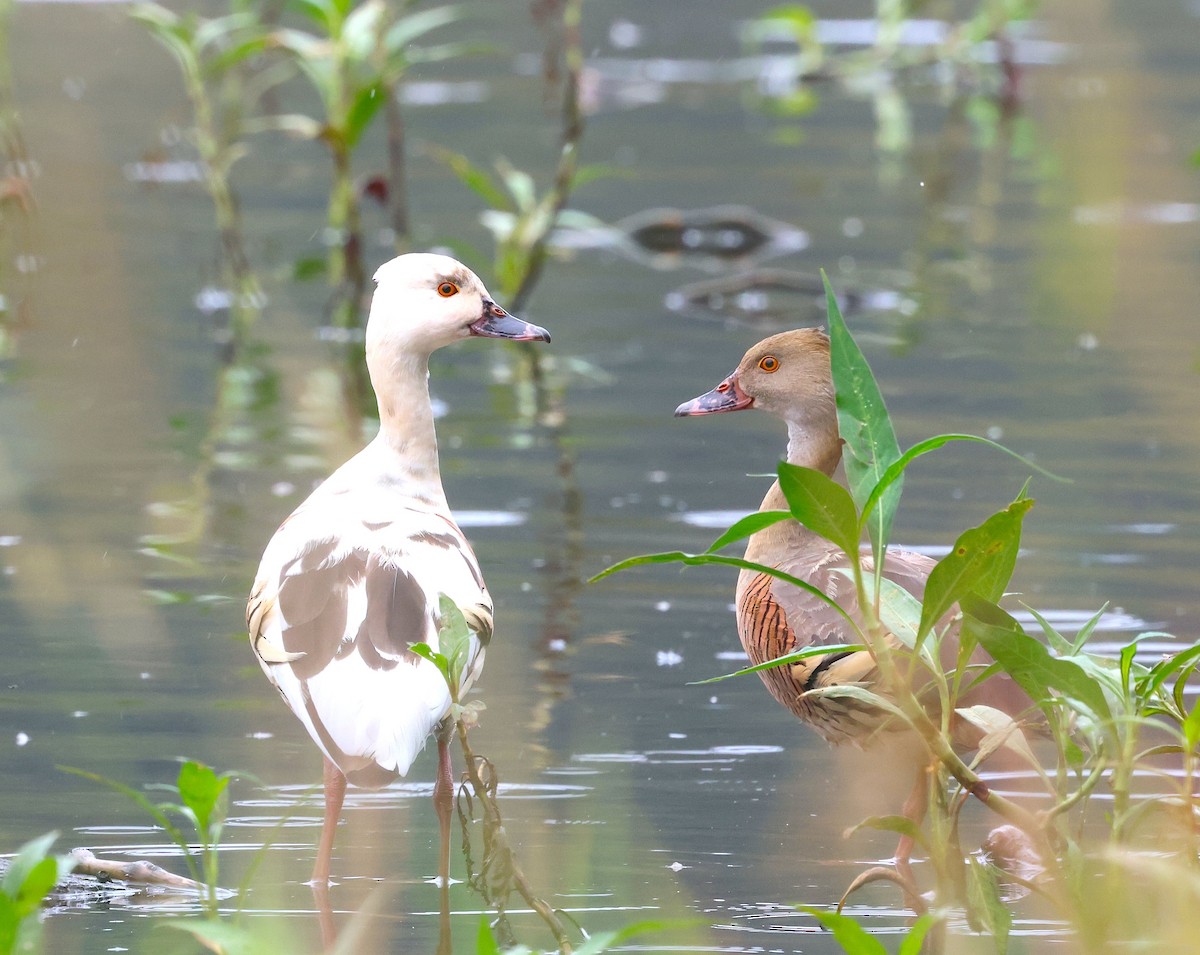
pixel 789 376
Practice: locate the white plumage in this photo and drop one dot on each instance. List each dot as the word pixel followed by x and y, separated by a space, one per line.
pixel 354 576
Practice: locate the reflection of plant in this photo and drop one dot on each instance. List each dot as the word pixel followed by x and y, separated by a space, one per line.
pixel 955 54
pixel 354 61
pixel 30 876
pixel 213 55
pixel 1097 711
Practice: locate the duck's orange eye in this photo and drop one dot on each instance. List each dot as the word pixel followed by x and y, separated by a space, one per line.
pixel 768 363
pixel 446 289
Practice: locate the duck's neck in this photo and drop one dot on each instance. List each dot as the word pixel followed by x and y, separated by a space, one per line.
pixel 811 444
pixel 406 431
pixel 815 445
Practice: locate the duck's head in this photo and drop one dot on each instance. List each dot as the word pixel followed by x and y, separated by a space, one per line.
pixel 424 301
pixel 787 374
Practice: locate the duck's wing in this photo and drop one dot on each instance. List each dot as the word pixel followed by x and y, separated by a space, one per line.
pixel 336 605
pixel 776 618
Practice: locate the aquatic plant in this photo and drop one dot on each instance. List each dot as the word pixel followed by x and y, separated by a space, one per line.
pixel 215 57
pixel 30 876
pixel 1100 713
pixel 354 59
pixel 203 799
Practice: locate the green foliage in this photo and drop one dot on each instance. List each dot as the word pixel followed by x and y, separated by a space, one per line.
pixel 1096 710
pixel 202 796
pixel 855 940
pixel 30 876
pixel 453 656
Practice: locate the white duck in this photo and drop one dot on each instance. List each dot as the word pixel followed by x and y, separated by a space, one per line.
pixel 352 578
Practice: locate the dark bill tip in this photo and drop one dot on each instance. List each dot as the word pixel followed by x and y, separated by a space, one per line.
pixel 727 396
pixel 495 322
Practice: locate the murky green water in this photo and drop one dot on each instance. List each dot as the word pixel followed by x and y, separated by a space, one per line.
pixel 1033 279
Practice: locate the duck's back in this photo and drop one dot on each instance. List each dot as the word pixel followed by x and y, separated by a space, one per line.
pixel 349 581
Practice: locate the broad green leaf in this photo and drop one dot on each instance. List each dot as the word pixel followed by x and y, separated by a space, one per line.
pixel 23 863
pixel 821 504
pixel 748 525
pixel 983 897
pixel 454 640
pixel 37 885
pixel 367 102
pixel 853 938
pixel 900 612
pixel 863 422
pixel 10 924
pixel 425 651
pixel 788 658
pixel 1028 661
pixel 981 561
pixel 200 789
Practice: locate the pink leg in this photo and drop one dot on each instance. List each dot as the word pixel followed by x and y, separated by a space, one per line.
pixel 335 792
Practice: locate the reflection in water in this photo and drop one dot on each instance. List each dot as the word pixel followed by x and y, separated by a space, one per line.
pixel 18 260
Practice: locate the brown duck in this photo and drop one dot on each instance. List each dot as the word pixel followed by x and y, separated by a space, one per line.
pixel 789 376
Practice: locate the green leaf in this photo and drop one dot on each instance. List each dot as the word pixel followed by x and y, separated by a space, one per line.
pixel 871 446
pixel 200 788
pixel 1058 643
pixel 477 180
pixel 361 29
pixel 897 468
pixel 408 28
pixel 367 102
pixel 695 560
pixel 1028 661
pixel 901 825
pixel 981 562
pixel 914 941
pixel 983 897
pixel 794 657
pixel 822 505
pixel 24 862
pixel 485 941
pixel 748 525
pixel 439 660
pixel 853 938
pixel 454 641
